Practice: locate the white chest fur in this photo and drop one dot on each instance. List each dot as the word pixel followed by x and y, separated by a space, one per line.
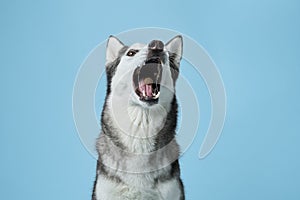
pixel 109 190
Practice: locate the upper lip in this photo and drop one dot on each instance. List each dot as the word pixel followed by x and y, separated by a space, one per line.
pixel 155 59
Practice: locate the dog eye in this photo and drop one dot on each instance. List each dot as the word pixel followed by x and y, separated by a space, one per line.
pixel 132 52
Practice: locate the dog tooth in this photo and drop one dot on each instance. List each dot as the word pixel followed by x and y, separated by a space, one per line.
pixel 144 93
pixel 156 96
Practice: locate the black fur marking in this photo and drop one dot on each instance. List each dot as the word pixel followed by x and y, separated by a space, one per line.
pixel 174 66
pixel 105 120
pixel 111 69
pixel 95 183
pixel 104 172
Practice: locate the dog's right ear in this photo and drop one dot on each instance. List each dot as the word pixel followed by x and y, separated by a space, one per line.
pixel 114 45
pixel 175 46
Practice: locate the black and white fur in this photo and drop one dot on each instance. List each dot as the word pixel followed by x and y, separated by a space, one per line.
pixel 138 153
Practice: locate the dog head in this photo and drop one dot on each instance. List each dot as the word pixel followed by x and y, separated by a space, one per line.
pixel 143 74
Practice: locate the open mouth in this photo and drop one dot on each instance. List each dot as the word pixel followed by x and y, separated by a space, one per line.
pixel 146 80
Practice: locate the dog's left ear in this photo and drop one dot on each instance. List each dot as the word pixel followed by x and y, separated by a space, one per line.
pixel 175 46
pixel 113 47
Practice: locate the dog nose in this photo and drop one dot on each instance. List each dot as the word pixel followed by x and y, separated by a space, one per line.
pixel 156 45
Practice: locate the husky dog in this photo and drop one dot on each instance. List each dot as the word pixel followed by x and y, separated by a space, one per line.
pixel 138 153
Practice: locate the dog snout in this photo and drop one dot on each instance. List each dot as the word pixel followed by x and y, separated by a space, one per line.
pixel 156 45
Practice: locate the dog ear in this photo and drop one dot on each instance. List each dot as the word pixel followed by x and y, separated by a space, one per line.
pixel 175 46
pixel 114 45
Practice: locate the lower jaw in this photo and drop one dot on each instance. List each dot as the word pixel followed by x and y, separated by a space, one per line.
pixel 150 102
pixel 144 101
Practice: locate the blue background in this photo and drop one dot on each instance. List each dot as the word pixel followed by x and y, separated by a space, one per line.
pixel 255 44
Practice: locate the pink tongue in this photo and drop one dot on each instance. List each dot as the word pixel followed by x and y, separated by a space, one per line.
pixel 147 88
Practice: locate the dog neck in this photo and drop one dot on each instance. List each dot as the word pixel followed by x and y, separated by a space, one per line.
pixel 137 126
